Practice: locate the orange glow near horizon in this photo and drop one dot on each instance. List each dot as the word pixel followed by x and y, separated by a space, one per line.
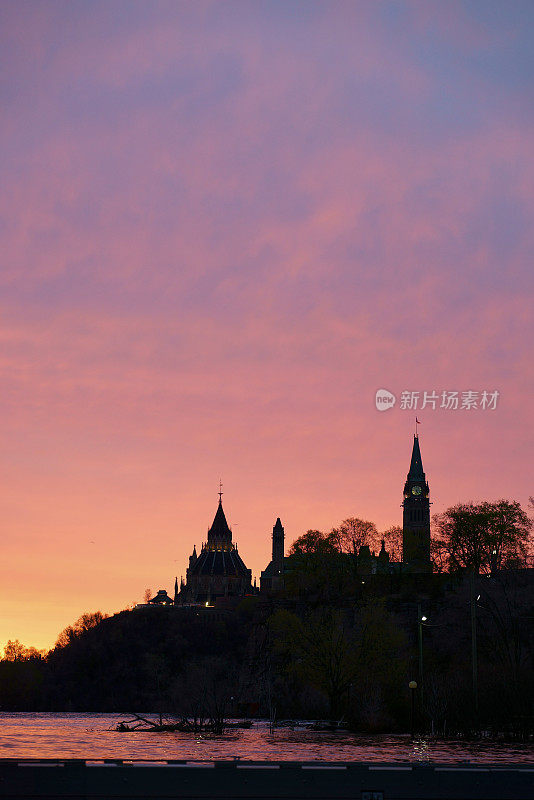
pixel 113 538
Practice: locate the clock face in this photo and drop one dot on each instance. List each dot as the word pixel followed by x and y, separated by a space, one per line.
pixel 416 490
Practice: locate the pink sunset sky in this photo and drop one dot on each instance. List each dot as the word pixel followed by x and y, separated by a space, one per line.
pixel 224 226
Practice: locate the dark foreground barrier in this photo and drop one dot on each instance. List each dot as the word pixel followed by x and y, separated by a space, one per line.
pixel 265 780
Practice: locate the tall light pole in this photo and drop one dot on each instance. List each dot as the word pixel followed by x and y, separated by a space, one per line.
pixel 474 653
pixel 420 620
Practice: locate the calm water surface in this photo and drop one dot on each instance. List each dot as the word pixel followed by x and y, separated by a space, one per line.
pixel 90 736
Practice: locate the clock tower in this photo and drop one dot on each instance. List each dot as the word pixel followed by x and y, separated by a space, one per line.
pixel 416 516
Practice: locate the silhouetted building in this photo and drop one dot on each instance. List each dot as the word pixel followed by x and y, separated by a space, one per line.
pixel 368 563
pixel 272 577
pixel 415 537
pixel 382 558
pixel 161 599
pixel 218 571
pixel 416 517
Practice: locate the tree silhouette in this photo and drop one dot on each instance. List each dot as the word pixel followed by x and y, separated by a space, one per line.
pixel 354 533
pixel 393 541
pixel 483 538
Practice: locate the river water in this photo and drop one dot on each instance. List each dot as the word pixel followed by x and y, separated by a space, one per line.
pixel 91 736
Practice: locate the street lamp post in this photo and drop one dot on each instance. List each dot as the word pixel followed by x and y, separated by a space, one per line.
pixel 474 653
pixel 413 688
pixel 420 620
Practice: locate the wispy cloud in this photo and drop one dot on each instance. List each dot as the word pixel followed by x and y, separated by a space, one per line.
pixel 224 226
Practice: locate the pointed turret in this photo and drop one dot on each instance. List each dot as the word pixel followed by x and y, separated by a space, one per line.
pixel 278 544
pixel 219 534
pixel 176 590
pixel 272 578
pixel 193 557
pixel 219 526
pixel 416 464
pixel 416 516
